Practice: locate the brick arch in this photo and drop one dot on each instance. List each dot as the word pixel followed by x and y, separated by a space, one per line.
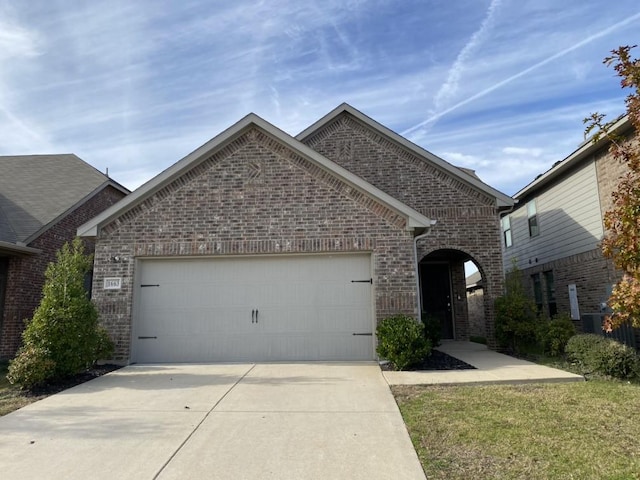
pixel 490 267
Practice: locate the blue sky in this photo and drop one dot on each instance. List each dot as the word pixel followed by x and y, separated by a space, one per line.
pixel 497 86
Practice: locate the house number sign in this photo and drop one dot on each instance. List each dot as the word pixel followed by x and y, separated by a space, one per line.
pixel 112 283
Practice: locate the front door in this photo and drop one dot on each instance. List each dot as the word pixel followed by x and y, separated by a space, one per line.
pixel 435 283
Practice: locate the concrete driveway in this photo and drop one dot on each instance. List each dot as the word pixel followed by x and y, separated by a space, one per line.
pixel 253 421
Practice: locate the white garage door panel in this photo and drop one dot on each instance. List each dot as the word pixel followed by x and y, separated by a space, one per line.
pixel 307 308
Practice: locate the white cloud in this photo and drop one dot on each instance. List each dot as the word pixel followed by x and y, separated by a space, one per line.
pixel 135 86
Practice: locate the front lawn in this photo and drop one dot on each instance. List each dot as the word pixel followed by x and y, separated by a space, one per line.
pixel 581 430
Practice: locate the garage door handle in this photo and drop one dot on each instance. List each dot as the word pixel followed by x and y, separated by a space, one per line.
pixel 363 281
pixel 256 315
pixel 253 316
pixel 364 334
pixel 145 338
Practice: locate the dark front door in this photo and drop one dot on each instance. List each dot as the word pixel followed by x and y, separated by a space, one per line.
pixel 435 282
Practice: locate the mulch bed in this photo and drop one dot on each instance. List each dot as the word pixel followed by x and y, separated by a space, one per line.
pixel 436 361
pixel 68 382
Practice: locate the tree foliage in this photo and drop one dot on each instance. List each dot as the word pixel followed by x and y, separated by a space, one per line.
pixel 622 223
pixel 516 314
pixel 63 337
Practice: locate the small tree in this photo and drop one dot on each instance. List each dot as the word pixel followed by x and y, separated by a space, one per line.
pixel 622 223
pixel 63 338
pixel 516 314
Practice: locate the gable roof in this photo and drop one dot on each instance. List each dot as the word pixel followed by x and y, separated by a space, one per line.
pixel 92 228
pixel 464 175
pixel 585 150
pixel 36 190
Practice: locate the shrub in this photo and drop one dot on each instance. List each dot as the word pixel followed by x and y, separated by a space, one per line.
pixel 597 354
pixel 31 366
pixel 583 349
pixel 63 337
pixel 432 329
pixel 619 361
pixel 402 341
pixel 516 318
pixel 553 335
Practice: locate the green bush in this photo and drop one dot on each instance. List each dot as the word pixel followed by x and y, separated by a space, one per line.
pixel 553 335
pixel 104 344
pixel 619 361
pixel 432 329
pixel 516 316
pixel 402 341
pixel 598 354
pixel 63 337
pixel 32 366
pixel 584 348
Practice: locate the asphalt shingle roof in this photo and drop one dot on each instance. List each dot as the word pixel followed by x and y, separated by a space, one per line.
pixel 37 189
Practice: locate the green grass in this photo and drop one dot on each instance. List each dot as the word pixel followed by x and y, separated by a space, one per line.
pixel 12 398
pixel 581 430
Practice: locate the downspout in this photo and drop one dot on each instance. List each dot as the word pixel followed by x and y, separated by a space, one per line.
pixel 415 264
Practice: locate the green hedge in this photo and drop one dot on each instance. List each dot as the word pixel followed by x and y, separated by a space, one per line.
pixel 597 354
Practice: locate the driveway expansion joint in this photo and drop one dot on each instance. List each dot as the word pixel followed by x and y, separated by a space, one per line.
pixel 195 429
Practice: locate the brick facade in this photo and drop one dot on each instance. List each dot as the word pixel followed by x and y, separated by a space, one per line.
pixel 25 276
pixel 254 194
pixel 467 218
pixel 590 272
pixel 475 306
pixel 254 197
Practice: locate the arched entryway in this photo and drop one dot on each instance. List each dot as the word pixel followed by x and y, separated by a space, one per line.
pixel 443 296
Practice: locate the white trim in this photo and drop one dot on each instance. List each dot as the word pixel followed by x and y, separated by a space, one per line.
pixel 584 150
pixel 502 199
pixel 91 228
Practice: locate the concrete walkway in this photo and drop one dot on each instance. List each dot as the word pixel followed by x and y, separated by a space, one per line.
pixel 491 367
pixel 235 421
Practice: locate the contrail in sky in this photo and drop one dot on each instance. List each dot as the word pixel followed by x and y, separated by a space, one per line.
pixel 486 91
pixel 449 87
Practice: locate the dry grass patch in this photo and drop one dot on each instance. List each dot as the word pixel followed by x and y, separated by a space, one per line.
pixel 12 398
pixel 569 431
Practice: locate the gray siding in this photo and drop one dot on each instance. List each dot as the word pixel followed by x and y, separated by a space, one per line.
pixel 569 220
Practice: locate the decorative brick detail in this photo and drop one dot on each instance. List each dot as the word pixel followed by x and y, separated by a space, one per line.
pixel 216 209
pixel 212 211
pixel 467 219
pixel 375 157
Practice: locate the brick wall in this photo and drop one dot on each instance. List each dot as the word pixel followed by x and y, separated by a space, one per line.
pixel 254 196
pixel 467 218
pixel 475 305
pixel 589 271
pixel 26 274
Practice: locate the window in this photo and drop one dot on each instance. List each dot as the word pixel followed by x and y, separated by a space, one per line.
pixel 506 231
pixel 532 213
pixel 551 292
pixel 537 290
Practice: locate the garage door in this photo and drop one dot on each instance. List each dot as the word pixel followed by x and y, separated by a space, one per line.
pixel 269 308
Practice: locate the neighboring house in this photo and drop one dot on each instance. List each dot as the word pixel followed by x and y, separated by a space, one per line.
pixel 475 305
pixel 554 233
pixel 262 246
pixel 43 200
